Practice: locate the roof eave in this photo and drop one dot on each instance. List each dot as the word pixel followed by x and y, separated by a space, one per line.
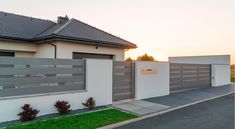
pixel 57 37
pixel 88 41
pixel 15 39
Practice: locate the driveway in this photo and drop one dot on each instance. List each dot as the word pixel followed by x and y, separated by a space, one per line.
pixel 213 114
pixel 175 100
pixel 191 96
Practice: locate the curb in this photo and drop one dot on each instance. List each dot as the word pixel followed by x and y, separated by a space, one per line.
pixel 160 113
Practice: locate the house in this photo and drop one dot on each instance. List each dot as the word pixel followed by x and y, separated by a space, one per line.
pixel 22 36
pixel 41 81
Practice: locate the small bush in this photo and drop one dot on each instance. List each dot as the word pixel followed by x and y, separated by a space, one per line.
pixel 90 103
pixel 63 107
pixel 28 113
pixel 129 59
pixel 145 57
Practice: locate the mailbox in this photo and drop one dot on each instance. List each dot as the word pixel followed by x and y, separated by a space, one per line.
pixel 148 71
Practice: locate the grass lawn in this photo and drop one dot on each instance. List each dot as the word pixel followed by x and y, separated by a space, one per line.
pixel 83 121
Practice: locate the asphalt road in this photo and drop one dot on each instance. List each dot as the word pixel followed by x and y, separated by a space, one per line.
pixel 214 114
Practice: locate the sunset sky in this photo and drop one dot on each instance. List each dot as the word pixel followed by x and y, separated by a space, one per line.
pixel 160 28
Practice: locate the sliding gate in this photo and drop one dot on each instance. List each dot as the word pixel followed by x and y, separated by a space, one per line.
pixel 123 80
pixel 189 76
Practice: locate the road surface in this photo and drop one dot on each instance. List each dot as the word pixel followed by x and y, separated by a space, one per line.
pixel 213 114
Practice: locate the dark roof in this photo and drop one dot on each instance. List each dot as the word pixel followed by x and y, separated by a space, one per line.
pixel 17 26
pixel 30 29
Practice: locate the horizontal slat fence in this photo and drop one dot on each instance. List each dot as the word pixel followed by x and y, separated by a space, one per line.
pixel 26 76
pixel 189 76
pixel 123 80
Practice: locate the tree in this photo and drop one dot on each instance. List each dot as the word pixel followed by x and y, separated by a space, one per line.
pixel 129 59
pixel 145 57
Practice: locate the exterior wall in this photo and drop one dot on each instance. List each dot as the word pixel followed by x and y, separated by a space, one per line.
pixel 220 75
pixel 217 59
pixel 15 46
pixel 98 84
pixel 45 51
pixel 65 50
pixel 24 54
pixel 152 85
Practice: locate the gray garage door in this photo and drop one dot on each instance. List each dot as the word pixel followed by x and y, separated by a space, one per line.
pixel 123 80
pixel 189 76
pixel 78 55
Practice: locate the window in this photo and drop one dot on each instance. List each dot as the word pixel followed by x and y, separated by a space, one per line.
pixel 9 54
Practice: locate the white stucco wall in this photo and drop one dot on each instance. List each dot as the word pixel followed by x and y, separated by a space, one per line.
pixel 216 59
pixel 99 86
pixel 66 49
pixel 152 85
pixel 24 54
pixel 17 46
pixel 220 75
pixel 45 51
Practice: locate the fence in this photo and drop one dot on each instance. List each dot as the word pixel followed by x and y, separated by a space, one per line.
pixel 123 80
pixel 24 76
pixel 189 76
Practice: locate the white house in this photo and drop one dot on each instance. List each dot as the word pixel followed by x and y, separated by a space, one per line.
pixel 22 36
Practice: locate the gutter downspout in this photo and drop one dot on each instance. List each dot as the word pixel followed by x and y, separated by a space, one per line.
pixel 55 48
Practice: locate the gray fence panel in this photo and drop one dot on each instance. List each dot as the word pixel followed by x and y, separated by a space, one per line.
pixel 25 76
pixel 38 90
pixel 36 71
pixel 39 61
pixel 39 80
pixel 123 80
pixel 189 76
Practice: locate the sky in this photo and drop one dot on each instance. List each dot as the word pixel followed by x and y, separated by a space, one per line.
pixel 161 28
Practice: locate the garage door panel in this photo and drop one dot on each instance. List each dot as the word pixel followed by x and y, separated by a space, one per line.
pixel 189 76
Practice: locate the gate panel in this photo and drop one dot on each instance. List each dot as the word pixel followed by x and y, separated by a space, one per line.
pixel 123 80
pixel 189 76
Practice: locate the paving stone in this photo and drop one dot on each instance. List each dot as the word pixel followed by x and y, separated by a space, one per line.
pixel 142 103
pixel 141 107
pixel 151 109
pixel 128 107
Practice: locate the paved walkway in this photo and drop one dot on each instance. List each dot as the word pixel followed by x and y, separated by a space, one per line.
pixel 158 104
pixel 141 107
